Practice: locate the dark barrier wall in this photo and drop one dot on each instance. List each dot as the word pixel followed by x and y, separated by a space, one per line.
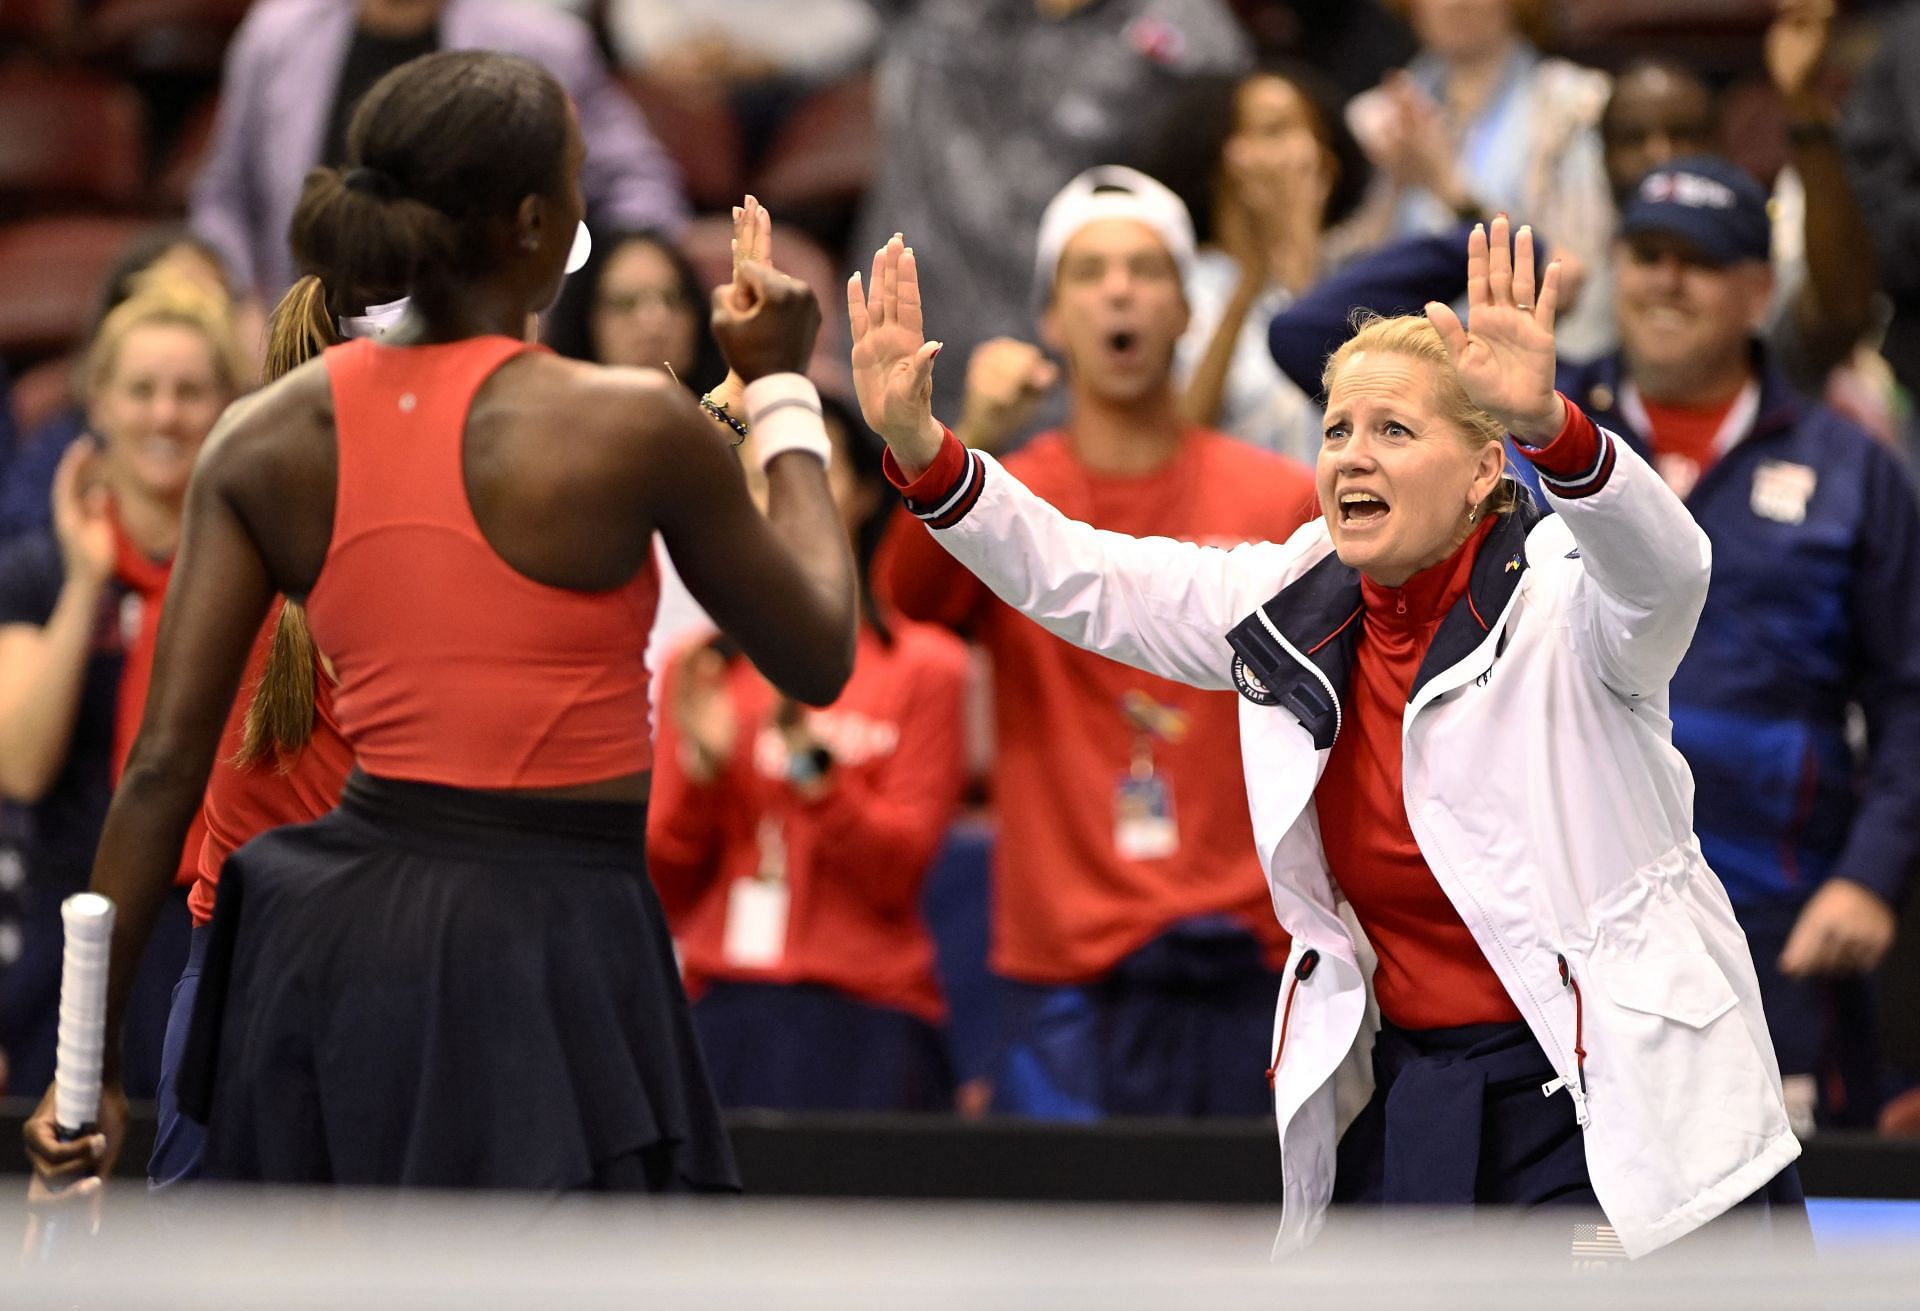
pixel 1020 1160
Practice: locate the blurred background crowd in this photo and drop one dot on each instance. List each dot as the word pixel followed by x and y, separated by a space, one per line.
pixel 1000 875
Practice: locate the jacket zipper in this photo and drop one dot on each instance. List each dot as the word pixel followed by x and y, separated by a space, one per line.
pixel 1266 622
pixel 1577 1086
pixel 1308 960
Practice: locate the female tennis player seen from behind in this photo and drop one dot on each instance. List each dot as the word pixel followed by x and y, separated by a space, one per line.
pixel 461 977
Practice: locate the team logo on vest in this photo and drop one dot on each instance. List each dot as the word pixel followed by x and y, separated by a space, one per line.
pixel 1781 490
pixel 1250 686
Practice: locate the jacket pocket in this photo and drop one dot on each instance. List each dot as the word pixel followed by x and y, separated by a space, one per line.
pixel 1678 1080
pixel 1687 987
pixel 1648 954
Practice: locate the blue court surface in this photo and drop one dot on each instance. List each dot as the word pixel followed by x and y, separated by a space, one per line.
pixel 1843 1221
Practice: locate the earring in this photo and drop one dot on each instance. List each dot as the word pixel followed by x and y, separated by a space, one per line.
pixel 529 243
pixel 1473 513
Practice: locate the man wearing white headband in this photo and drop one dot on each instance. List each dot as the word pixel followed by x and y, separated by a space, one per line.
pixel 1129 917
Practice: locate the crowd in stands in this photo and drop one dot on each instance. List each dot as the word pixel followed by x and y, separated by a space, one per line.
pixel 1000 874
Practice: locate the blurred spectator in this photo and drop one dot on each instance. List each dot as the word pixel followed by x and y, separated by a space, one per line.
pixel 987 107
pixel 1882 141
pixel 9 430
pixel 1130 918
pixel 297 68
pixel 79 614
pixel 1658 111
pixel 707 48
pixel 1482 122
pixel 1267 167
pixel 790 847
pixel 1351 42
pixel 760 56
pixel 1815 607
pixel 26 489
pixel 1824 275
pixel 638 303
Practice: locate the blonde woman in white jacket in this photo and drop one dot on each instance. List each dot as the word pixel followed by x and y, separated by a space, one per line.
pixel 1513 980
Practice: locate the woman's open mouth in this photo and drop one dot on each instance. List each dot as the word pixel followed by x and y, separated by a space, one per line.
pixel 1362 509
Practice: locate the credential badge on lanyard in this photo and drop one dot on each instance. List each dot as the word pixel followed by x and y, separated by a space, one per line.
pixel 1144 824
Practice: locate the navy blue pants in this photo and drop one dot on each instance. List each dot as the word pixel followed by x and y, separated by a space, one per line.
pixel 1180 1027
pixel 804 1047
pixel 1457 1118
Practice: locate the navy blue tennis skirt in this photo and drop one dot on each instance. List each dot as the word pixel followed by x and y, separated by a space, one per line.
pixel 440 988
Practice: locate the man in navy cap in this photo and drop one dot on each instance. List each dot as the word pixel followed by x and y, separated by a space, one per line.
pixel 1814 613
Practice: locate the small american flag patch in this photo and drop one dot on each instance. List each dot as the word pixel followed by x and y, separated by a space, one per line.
pixel 1597 1242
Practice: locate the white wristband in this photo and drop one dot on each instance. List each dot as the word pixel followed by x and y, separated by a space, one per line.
pixel 783 414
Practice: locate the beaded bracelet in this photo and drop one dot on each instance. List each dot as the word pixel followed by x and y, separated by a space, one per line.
pixel 719 412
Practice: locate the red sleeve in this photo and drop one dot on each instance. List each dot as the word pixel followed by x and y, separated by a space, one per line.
pixel 919 580
pixel 684 818
pixel 884 826
pixel 1578 461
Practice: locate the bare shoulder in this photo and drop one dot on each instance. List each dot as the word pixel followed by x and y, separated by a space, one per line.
pixel 620 424
pixel 272 432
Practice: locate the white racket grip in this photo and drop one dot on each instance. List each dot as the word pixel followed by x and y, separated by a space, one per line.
pixel 88 920
pixel 783 414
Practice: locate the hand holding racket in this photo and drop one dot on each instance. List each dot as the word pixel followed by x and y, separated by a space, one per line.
pixel 74 1135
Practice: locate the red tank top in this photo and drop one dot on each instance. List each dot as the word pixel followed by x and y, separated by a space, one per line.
pixel 453 667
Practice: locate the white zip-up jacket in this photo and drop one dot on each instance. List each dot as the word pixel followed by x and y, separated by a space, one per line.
pixel 1540 781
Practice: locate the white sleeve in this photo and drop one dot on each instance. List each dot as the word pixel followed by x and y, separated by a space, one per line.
pixel 1645 562
pixel 1157 604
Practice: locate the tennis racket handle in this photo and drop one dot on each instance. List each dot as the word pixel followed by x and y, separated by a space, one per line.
pixel 80 1054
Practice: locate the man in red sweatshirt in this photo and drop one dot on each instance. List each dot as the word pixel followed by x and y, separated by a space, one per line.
pixel 1130 917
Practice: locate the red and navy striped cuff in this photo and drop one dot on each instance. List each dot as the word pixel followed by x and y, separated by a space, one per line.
pixel 1578 461
pixel 950 487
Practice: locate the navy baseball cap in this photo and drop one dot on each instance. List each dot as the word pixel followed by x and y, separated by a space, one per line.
pixel 1713 203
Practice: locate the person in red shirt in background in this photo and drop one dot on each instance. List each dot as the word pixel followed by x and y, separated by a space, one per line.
pixel 789 848
pixel 1130 919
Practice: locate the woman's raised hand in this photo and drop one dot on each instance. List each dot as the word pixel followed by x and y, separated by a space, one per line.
pixel 764 320
pixel 752 235
pixel 82 518
pixel 892 359
pixel 1504 352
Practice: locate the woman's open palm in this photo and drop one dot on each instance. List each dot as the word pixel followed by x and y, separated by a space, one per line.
pixel 892 359
pixel 1504 352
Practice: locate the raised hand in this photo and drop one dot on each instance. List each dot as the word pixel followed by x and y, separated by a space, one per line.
pixel 82 521
pixel 1796 43
pixel 752 245
pixel 892 359
pixel 703 712
pixel 1006 379
pixel 765 321
pixel 752 235
pixel 1504 352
